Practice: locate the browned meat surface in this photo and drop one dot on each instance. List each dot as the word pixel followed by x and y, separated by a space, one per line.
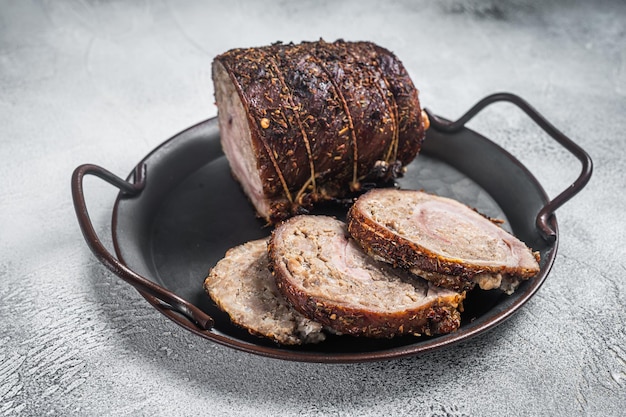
pixel 440 239
pixel 313 121
pixel 242 285
pixel 328 278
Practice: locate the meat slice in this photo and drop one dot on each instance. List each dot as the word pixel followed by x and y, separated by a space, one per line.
pixel 440 239
pixel 242 285
pixel 313 121
pixel 328 278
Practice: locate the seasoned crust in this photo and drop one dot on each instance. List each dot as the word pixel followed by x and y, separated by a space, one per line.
pixel 242 286
pixel 382 234
pixel 328 278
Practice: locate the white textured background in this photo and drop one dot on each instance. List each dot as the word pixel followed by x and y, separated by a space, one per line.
pixel 108 81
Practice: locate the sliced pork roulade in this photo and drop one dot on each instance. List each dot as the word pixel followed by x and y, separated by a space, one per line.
pixel 440 239
pixel 242 286
pixel 328 278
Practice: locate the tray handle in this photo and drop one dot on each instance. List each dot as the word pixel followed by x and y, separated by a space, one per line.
pixel 166 301
pixel 545 214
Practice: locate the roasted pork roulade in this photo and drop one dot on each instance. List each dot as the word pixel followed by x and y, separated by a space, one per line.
pixel 314 121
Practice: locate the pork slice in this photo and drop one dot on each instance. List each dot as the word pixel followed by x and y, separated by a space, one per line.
pixel 313 121
pixel 441 240
pixel 242 286
pixel 327 277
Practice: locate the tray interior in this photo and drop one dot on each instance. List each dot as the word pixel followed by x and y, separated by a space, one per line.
pixel 192 212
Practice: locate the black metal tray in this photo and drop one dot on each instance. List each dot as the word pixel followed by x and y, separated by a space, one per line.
pixel 180 210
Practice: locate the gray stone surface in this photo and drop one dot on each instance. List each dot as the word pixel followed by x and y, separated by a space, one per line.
pixel 106 82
